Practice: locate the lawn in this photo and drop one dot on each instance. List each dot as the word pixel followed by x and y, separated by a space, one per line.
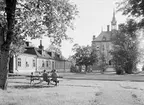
pixel 21 93
pixel 73 92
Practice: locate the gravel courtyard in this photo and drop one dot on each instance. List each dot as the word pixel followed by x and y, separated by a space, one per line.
pixel 73 92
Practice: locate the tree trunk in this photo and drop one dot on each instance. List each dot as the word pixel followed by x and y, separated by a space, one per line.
pixel 86 68
pixel 5 47
pixel 4 69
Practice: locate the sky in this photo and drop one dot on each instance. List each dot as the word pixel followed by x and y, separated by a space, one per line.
pixel 93 16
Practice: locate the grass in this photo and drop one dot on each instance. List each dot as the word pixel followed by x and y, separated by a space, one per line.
pixel 20 92
pixel 73 92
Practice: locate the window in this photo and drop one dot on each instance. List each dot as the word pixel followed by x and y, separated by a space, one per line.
pixel 42 63
pixel 104 38
pixel 27 65
pixel 19 62
pixel 53 65
pixel 97 47
pixel 49 62
pixel 103 47
pixel 34 64
pixel 46 63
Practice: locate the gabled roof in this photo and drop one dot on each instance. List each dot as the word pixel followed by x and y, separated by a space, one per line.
pixel 30 50
pixel 103 36
pixel 42 53
pixel 37 52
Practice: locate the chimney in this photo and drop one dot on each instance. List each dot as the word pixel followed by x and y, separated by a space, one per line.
pixel 27 43
pixel 41 46
pixel 107 28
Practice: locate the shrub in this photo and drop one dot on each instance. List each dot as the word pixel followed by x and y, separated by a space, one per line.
pixel 143 68
pixel 73 69
pixel 119 70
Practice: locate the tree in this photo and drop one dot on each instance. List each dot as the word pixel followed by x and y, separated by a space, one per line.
pixel 133 8
pixel 55 49
pixel 84 55
pixel 102 60
pixel 33 18
pixel 5 47
pixel 125 51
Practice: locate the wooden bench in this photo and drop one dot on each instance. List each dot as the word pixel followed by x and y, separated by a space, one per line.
pixel 40 78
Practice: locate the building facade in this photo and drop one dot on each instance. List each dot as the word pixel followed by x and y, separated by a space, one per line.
pixel 102 44
pixel 36 60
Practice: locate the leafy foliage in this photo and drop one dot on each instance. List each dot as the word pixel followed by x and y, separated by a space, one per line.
pixel 134 8
pixel 103 64
pixel 55 49
pixel 73 69
pixel 38 18
pixel 84 55
pixel 125 50
pixel 48 17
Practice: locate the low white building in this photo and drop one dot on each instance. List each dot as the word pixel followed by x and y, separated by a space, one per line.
pixel 24 63
pixel 36 60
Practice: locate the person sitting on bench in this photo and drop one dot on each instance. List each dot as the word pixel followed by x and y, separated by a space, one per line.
pixel 45 77
pixel 31 78
pixel 54 76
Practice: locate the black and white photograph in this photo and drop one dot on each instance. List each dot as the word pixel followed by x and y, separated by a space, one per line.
pixel 71 52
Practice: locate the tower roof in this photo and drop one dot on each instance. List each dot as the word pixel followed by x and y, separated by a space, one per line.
pixel 102 35
pixel 113 22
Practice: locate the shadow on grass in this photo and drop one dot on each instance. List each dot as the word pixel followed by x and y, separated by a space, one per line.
pixel 31 86
pixel 19 82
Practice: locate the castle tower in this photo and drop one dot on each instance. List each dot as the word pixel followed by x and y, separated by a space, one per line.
pixel 113 22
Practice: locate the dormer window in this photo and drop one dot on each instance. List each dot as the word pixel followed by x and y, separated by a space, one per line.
pixel 104 38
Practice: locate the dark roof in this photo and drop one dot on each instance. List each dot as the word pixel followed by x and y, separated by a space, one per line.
pixel 37 52
pixel 42 53
pixel 104 36
pixel 57 57
pixel 30 50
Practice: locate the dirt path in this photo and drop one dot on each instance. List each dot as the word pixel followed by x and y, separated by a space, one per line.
pixel 120 93
pixel 74 92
